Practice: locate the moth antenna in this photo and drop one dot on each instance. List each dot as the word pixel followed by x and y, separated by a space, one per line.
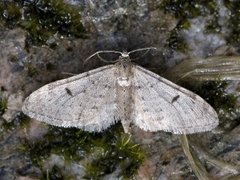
pixel 142 49
pixel 147 49
pixel 102 59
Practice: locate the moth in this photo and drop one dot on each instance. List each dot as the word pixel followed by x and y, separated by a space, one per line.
pixel 124 92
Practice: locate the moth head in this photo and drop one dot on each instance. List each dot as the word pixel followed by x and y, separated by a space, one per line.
pixel 124 57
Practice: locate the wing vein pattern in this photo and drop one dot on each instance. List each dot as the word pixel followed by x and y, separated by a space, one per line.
pixel 86 101
pixel 163 105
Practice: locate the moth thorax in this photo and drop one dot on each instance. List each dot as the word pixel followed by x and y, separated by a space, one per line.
pixel 123 81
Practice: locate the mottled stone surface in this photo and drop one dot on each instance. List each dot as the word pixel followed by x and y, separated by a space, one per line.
pixel 117 25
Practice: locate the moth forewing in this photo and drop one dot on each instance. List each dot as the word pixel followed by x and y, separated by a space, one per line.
pixel 163 105
pixel 86 101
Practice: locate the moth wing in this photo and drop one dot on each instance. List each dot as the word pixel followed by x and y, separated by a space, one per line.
pixel 163 105
pixel 85 101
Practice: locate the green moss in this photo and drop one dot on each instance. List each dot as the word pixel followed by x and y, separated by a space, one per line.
pixel 188 8
pixel 175 41
pixel 25 121
pixel 214 92
pixel 20 121
pixel 126 148
pixel 11 13
pixel 8 126
pixel 107 151
pixel 233 23
pixel 67 142
pixel 32 71
pixel 3 105
pixel 122 154
pixel 53 174
pixel 184 11
pixel 212 25
pixel 43 18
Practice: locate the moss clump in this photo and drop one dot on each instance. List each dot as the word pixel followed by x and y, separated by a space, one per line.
pixel 25 120
pixel 121 155
pixel 176 42
pixel 10 13
pixel 8 126
pixel 66 142
pixel 233 23
pixel 107 151
pixel 3 105
pixel 215 93
pixel 20 121
pixel 32 71
pixel 188 9
pixel 184 11
pixel 43 19
pixel 54 173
